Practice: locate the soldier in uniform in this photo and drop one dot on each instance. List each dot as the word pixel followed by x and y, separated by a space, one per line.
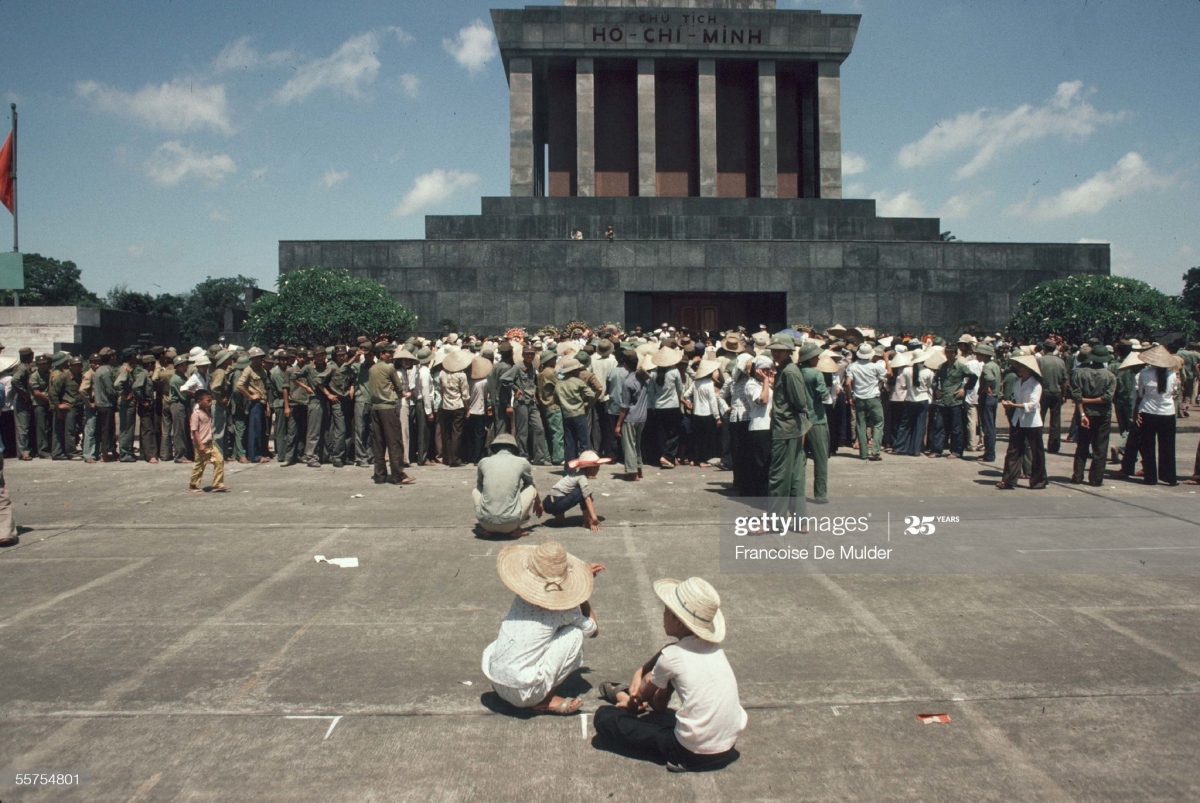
pixel 276 390
pixel 362 406
pixel 239 413
pixel 252 386
pixel 126 404
pixel 144 398
pixel 91 446
pixel 385 389
pixel 1093 387
pixel 948 431
pixel 23 402
pixel 789 425
pixel 817 444
pixel 177 402
pixel 339 392
pixel 295 409
pixel 220 383
pixel 316 377
pixel 500 396
pixel 519 388
pixel 163 370
pixel 67 403
pixel 39 388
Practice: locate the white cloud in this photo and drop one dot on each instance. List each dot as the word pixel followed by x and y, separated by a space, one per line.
pixel 990 132
pixel 903 204
pixel 178 106
pixel 241 55
pixel 855 189
pixel 173 161
pixel 1130 174
pixel 333 177
pixel 961 205
pixel 411 84
pixel 432 189
pixel 853 164
pixel 219 214
pixel 473 47
pixel 1090 241
pixel 348 70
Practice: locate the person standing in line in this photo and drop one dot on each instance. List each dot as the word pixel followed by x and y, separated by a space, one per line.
pixel 988 391
pixel 220 382
pixel 385 388
pixel 499 396
pixel 475 424
pixel 817 443
pixel 23 402
pixel 452 382
pixel 362 406
pixel 1156 385
pixel 1025 430
pixel 637 392
pixel 91 447
pixel 706 410
pixel 604 362
pixel 1092 388
pixel 39 387
pixel 519 385
pixel 295 409
pixel 614 382
pixel 143 401
pixel 163 370
pixel 179 409
pixel 864 379
pixel 789 424
pixel 338 392
pixel 315 376
pixel 666 414
pixel 67 403
pixel 758 448
pixel 1054 389
pixel 276 388
pixel 8 528
pixel 574 397
pixel 252 385
pixel 548 405
pixel 948 429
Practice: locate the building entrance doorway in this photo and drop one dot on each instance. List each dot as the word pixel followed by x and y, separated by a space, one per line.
pixel 710 312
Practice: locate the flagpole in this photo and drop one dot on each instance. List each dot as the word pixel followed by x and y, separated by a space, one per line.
pixel 16 293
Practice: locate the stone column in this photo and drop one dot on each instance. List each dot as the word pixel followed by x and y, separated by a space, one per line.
pixel 768 132
pixel 585 127
pixel 829 129
pixel 647 135
pixel 520 126
pixel 708 128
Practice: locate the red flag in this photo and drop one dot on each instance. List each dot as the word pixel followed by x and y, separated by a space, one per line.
pixel 6 177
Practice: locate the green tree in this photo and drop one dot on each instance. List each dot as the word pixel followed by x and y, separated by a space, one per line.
pixel 202 312
pixel 1105 307
pixel 1190 300
pixel 50 283
pixel 323 306
pixel 167 305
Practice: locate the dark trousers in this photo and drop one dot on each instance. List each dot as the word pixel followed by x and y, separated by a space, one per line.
pixel 1093 440
pixel 279 425
pixel 297 432
pixel 987 424
pixel 43 423
pixel 318 421
pixel 739 441
pixel 474 435
pixel 386 441
pixel 610 446
pixel 666 425
pixel 576 438
pixel 179 430
pixel 756 475
pixel 654 737
pixel 1020 439
pixel 105 423
pixel 704 445
pixel 65 422
pixel 147 433
pixel 531 438
pixel 1052 415
pixel 256 430
pixel 1158 430
pixel 452 427
pixel 949 427
pixel 910 436
pixel 558 505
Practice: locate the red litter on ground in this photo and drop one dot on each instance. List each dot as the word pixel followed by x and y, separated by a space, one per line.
pixel 934 719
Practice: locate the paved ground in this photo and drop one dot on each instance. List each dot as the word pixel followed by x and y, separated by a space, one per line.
pixel 183 647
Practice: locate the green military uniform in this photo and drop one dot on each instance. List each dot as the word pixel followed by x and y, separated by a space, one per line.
pixel 220 382
pixel 789 425
pixel 178 404
pixel 162 411
pixel 276 382
pixel 951 415
pixel 298 398
pixel 143 400
pixel 238 414
pixel 317 378
pixel 66 400
pixel 384 387
pixel 1093 381
pixel 362 416
pixel 23 404
pixel 341 382
pixel 126 410
pixel 551 413
pixel 817 445
pixel 43 424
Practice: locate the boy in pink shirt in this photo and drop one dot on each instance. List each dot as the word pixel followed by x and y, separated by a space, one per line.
pixel 202 443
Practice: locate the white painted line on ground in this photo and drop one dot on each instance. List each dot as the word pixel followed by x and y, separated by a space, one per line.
pixel 583 725
pixel 332 724
pixel 1184 664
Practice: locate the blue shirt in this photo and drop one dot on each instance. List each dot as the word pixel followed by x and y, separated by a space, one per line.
pixel 635 398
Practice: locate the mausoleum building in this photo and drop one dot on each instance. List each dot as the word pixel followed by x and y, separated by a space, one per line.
pixel 707 134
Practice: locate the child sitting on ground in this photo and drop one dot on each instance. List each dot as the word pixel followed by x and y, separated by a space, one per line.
pixel 205 450
pixel 710 716
pixel 574 489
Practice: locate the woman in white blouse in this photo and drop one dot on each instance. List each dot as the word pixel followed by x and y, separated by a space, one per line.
pixel 758 438
pixel 1026 427
pixel 705 407
pixel 1156 384
pixel 918 384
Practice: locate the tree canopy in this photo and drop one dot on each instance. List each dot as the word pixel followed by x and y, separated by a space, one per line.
pixel 1190 299
pixel 1105 307
pixel 120 297
pixel 50 283
pixel 323 306
pixel 202 313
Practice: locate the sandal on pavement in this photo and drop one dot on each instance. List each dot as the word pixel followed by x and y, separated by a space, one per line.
pixel 565 708
pixel 220 489
pixel 609 690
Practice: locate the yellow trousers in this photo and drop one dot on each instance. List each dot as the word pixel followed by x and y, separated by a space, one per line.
pixel 209 454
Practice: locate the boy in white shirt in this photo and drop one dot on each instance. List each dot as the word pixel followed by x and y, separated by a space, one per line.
pixel 703 732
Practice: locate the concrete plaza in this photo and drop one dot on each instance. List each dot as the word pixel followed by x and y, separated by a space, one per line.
pixel 173 646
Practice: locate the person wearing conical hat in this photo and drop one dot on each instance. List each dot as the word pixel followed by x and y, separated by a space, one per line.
pixel 1092 388
pixel 706 408
pixel 455 389
pixel 1025 430
pixel 665 423
pixel 914 421
pixel 540 643
pixel 705 729
pixel 1156 385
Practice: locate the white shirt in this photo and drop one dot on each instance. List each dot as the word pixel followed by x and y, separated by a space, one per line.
pixel 668 392
pixel 1028 394
pixel 514 658
pixel 1154 402
pixel 923 390
pixel 477 395
pixel 704 398
pixel 866 377
pixel 425 387
pixel 758 414
pixel 900 388
pixel 710 716
pixel 600 367
pixel 975 367
pixel 196 381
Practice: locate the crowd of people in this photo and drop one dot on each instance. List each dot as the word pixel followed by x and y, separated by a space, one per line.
pixel 760 405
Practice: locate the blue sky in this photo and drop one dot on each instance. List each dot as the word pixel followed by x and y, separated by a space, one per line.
pixel 165 142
